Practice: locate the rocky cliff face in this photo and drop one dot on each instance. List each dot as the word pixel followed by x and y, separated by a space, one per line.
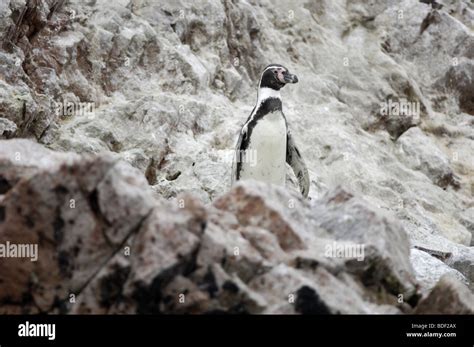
pixel 132 108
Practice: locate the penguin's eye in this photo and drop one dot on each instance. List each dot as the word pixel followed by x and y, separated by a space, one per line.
pixel 275 72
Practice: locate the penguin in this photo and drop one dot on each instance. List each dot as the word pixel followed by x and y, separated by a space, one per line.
pixel 265 144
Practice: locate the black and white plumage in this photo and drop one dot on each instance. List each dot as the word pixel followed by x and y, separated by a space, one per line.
pixel 265 144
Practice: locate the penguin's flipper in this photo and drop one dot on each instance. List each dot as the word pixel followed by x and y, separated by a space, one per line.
pixel 294 159
pixel 237 157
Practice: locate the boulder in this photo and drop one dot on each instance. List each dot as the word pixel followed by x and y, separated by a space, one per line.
pixel 429 269
pixel 419 152
pixel 141 103
pixel 449 296
pixel 57 208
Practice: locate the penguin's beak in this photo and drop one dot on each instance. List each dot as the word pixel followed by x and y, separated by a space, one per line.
pixel 289 78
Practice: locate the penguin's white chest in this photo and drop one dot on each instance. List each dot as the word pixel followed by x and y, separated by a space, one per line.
pixel 265 157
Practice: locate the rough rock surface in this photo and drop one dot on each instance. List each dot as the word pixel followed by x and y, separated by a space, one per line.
pixel 107 245
pixel 165 86
pixel 429 270
pixel 61 208
pixel 449 296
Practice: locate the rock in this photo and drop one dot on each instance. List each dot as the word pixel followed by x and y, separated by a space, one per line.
pixel 117 249
pixel 22 158
pixel 226 293
pixel 458 257
pixel 252 209
pixel 56 206
pixel 183 296
pixel 459 79
pixel 466 218
pixel 120 185
pixel 104 294
pixel 7 128
pixel 235 290
pixel 429 270
pixel 421 153
pixel 265 242
pixel 289 290
pixel 309 302
pixel 166 87
pixel 233 250
pixel 384 242
pixel 449 296
pixel 164 248
pixel 396 115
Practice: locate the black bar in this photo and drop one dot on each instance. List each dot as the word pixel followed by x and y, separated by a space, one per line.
pixel 297 330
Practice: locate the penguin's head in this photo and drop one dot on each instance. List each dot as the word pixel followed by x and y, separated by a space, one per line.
pixel 276 76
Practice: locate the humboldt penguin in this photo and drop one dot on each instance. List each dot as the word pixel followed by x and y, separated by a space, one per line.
pixel 265 143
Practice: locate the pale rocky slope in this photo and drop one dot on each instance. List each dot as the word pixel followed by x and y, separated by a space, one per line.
pixel 170 84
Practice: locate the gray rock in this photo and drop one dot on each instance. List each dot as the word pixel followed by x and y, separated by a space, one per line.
pixel 252 208
pixel 164 248
pixel 429 270
pixel 421 153
pixel 7 128
pixel 458 257
pixel 166 86
pixel 466 218
pixel 449 296
pixel 104 293
pixel 56 206
pixel 459 79
pixel 123 189
pixel 118 250
pixel 383 242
